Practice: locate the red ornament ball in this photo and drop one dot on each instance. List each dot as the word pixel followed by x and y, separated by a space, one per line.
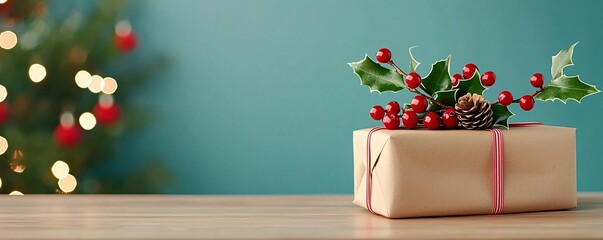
pixel 488 78
pixel 126 42
pixel 455 79
pixel 413 80
pixel 505 98
pixel 537 80
pixel 68 135
pixel 419 104
pixel 383 55
pixel 377 112
pixel 432 121
pixel 469 70
pixel 107 114
pixel 410 119
pixel 526 102
pixel 449 119
pixel 392 107
pixel 4 112
pixel 391 121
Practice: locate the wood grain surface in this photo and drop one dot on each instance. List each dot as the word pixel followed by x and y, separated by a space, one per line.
pixel 270 217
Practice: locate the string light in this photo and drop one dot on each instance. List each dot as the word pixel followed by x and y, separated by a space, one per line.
pixel 87 121
pixel 16 163
pixel 3 93
pixel 3 145
pixel 16 193
pixel 68 183
pixel 37 72
pixel 3 1
pixel 96 84
pixel 67 119
pixel 83 79
pixel 60 169
pixel 0 182
pixel 109 85
pixel 8 40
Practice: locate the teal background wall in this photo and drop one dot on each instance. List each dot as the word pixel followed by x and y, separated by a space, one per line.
pixel 259 98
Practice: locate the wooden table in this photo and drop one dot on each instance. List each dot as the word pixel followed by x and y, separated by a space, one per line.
pixel 265 217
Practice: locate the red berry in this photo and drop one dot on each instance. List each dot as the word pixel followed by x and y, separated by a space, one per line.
pixel 488 78
pixel 432 121
pixel 537 80
pixel 419 104
pixel 391 121
pixel 505 98
pixel 392 108
pixel 410 119
pixel 383 55
pixel 526 102
pixel 469 70
pixel 413 80
pixel 455 79
pixel 449 118
pixel 377 112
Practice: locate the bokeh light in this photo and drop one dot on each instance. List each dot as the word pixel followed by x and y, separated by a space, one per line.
pixel 37 72
pixel 60 169
pixel 83 79
pixel 109 85
pixel 3 93
pixel 0 182
pixel 68 183
pixel 96 84
pixel 3 145
pixel 16 164
pixel 87 121
pixel 105 100
pixel 8 40
pixel 67 119
pixel 15 193
pixel 123 28
pixel 3 1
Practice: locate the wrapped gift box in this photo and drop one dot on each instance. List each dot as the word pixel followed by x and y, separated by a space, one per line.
pixel 419 172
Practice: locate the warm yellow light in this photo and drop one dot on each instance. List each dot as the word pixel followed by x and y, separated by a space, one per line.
pixel 3 93
pixel 15 193
pixel 109 85
pixel 60 169
pixel 16 163
pixel 3 1
pixel 8 39
pixel 83 79
pixel 68 183
pixel 67 119
pixel 37 72
pixel 96 84
pixel 87 121
pixel 0 182
pixel 3 145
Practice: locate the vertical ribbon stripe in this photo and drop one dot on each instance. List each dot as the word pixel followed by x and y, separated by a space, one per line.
pixel 497 171
pixel 369 170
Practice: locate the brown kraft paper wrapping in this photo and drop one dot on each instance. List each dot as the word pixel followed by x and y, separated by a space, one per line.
pixel 420 173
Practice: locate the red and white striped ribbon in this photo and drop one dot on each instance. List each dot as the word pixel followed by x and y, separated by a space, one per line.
pixel 498 199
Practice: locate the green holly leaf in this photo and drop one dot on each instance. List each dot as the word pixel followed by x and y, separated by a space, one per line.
pixel 414 64
pixel 472 85
pixel 447 97
pixel 561 60
pixel 501 115
pixel 564 87
pixel 376 77
pixel 438 79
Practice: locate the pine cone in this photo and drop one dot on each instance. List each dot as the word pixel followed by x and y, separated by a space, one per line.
pixel 474 112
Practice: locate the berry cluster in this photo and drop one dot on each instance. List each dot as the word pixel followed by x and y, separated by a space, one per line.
pixel 417 111
pixel 390 116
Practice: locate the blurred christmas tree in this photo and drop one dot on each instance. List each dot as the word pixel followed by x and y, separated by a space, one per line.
pixel 61 109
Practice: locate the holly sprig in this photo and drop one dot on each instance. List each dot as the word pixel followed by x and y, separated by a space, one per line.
pixel 441 91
